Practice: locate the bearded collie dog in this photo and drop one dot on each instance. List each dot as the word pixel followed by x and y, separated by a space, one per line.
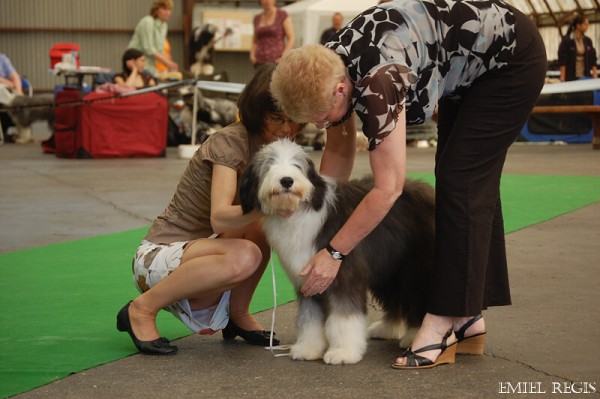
pixel 303 211
pixel 25 110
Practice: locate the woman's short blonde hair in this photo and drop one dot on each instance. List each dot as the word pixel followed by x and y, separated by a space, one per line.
pixel 156 4
pixel 304 81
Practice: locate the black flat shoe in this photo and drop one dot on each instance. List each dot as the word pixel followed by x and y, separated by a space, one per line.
pixel 160 346
pixel 254 337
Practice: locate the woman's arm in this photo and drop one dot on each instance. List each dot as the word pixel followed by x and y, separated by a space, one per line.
pixel 388 164
pixel 254 41
pixel 563 54
pixel 289 34
pixel 169 63
pixel 223 215
pixel 13 82
pixel 593 60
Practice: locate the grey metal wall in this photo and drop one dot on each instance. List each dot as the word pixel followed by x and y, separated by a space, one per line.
pixel 29 28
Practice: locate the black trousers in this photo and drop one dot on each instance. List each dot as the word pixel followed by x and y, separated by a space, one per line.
pixel 474 134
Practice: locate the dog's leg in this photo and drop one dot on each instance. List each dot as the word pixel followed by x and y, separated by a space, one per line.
pixel 407 338
pixel 347 334
pixel 311 343
pixel 24 135
pixel 388 328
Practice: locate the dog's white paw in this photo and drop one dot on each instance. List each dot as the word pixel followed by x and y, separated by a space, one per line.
pixel 305 352
pixel 342 356
pixel 23 136
pixel 383 329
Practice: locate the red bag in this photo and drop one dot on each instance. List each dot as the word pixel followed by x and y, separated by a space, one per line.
pixel 66 140
pixel 134 126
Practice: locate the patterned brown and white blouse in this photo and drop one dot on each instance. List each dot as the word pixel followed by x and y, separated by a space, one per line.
pixel 413 52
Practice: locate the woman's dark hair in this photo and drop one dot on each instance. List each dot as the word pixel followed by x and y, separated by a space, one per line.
pixel 255 101
pixel 578 20
pixel 130 54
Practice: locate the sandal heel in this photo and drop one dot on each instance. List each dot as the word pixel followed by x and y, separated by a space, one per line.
pixel 472 346
pixel 448 356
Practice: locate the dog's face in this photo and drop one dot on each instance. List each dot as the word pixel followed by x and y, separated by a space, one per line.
pixel 280 180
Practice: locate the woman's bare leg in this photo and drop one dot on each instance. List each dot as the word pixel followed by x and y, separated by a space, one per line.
pixel 208 268
pixel 241 295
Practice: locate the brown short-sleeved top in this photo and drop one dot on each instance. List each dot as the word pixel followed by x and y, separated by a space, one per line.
pixel 188 215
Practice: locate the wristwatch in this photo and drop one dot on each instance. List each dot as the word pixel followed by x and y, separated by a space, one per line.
pixel 337 255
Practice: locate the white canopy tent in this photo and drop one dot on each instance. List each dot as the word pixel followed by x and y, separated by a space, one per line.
pixel 311 17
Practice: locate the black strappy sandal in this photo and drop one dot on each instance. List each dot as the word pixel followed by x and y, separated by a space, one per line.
pixel 472 345
pixel 415 361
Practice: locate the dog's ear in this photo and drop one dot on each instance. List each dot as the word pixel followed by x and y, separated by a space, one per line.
pixel 318 196
pixel 249 189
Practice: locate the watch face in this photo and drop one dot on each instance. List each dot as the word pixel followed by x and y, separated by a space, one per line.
pixel 334 254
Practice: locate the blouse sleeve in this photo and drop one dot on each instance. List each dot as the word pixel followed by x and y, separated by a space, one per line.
pixel 380 97
pixel 146 35
pixel 223 148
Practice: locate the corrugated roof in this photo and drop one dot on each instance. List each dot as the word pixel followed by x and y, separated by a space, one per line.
pixel 558 12
pixel 544 12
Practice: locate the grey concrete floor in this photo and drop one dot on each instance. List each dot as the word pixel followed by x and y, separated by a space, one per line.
pixel 548 340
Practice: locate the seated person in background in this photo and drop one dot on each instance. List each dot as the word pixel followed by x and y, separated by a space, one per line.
pixel 10 85
pixel 133 74
pixel 9 77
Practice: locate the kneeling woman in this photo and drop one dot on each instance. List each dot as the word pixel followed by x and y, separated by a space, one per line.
pixel 202 259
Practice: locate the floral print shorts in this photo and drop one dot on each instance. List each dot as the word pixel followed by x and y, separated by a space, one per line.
pixel 153 262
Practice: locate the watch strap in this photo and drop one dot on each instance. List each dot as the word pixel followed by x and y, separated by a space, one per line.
pixel 337 255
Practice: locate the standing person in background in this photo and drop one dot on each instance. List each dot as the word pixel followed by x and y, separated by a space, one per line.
pixel 483 64
pixel 336 24
pixel 273 34
pixel 576 53
pixel 151 33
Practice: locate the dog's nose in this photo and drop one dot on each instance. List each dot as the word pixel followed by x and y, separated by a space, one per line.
pixel 286 182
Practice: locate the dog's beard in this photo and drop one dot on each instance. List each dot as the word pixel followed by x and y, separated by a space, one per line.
pixel 282 203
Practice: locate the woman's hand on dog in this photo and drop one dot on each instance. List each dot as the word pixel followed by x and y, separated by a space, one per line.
pixel 321 271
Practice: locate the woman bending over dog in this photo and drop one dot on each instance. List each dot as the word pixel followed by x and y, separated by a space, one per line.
pixel 483 64
pixel 202 259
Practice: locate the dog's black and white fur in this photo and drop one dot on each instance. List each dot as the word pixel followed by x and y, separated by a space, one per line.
pixel 392 262
pixel 25 110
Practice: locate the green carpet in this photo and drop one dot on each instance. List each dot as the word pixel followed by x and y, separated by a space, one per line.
pixel 60 300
